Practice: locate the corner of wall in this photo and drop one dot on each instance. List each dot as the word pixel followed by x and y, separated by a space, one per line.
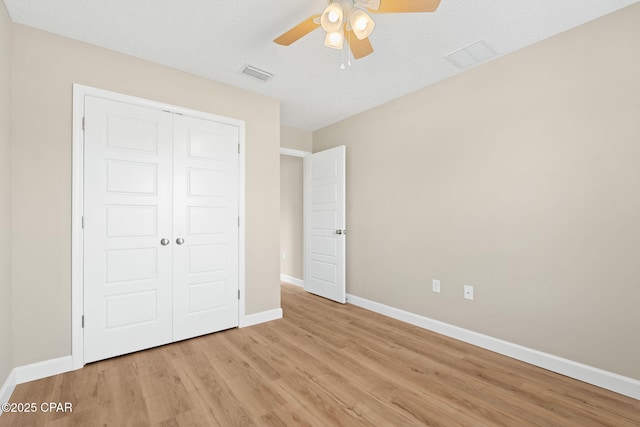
pixel 7 377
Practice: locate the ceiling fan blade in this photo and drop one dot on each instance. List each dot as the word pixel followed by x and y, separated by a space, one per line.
pixel 299 31
pixel 399 6
pixel 359 48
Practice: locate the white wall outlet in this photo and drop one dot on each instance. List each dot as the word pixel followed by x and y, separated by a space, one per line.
pixel 435 286
pixel 284 256
pixel 468 292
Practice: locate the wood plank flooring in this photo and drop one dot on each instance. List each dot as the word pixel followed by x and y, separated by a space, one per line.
pixel 324 364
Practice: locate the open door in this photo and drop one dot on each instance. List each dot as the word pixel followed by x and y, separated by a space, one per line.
pixel 325 223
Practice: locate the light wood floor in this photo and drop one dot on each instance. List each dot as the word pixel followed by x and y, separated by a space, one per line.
pixel 324 364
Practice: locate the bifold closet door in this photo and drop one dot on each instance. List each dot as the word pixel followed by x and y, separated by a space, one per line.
pixel 127 213
pixel 205 272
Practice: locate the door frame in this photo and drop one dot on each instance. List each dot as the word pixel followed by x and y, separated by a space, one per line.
pixel 77 202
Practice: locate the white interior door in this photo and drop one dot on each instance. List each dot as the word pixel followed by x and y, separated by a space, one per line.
pixel 127 193
pixel 325 224
pixel 205 274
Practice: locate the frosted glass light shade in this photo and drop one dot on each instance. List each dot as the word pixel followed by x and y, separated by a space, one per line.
pixel 334 40
pixel 332 18
pixel 361 23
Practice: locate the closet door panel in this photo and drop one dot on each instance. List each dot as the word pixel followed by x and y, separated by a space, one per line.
pixel 127 211
pixel 205 273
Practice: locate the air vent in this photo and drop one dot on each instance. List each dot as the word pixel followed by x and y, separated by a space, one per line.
pixel 471 55
pixel 256 73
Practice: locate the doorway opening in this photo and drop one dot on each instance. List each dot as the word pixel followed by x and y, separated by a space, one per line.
pixel 323 230
pixel 291 216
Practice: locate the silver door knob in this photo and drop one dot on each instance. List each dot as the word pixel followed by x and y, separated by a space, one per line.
pixel 179 240
pixel 338 231
pixel 164 242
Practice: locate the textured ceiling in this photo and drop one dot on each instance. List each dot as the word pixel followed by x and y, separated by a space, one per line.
pixel 215 38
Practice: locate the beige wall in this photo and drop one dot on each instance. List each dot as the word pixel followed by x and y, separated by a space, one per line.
pixel 296 139
pixel 44 68
pixel 6 345
pixel 520 177
pixel 291 242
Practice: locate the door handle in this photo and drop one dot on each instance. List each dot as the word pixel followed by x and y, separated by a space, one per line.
pixel 338 231
pixel 179 240
pixel 164 242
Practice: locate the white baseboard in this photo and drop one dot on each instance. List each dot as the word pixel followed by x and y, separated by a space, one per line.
pixel 588 374
pixel 292 280
pixel 47 368
pixel 262 317
pixel 7 388
pixel 34 371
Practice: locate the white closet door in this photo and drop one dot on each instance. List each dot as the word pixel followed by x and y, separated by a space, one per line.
pixel 127 211
pixel 205 241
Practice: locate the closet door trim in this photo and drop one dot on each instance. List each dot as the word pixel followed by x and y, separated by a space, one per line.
pixel 80 92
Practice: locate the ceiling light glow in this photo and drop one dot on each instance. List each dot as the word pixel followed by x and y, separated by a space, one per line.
pixel 361 23
pixel 334 40
pixel 332 17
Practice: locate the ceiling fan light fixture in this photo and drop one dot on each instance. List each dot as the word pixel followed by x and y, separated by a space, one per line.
pixel 334 40
pixel 361 23
pixel 340 18
pixel 332 17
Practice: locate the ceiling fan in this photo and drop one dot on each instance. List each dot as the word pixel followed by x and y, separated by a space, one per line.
pixel 348 19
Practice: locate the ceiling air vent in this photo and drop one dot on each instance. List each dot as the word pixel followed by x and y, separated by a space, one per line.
pixel 256 73
pixel 471 55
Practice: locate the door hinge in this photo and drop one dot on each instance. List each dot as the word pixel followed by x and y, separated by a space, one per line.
pixel 238 148
pixel 83 123
pixel 83 222
pixel 238 293
pixel 238 221
pixel 83 320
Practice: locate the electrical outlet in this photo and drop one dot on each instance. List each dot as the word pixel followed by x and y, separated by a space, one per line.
pixel 468 292
pixel 284 256
pixel 436 286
